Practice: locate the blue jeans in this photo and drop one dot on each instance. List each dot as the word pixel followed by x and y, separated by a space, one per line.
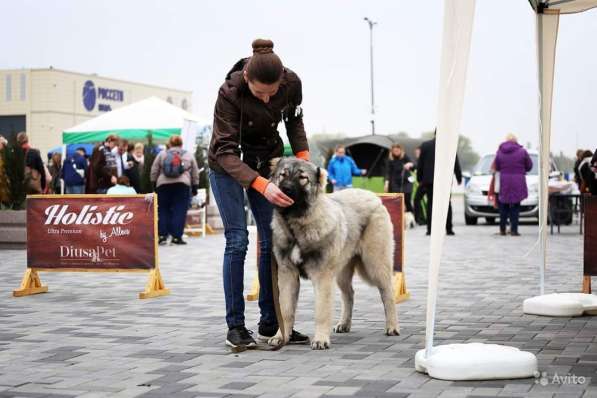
pixel 74 189
pixel 229 195
pixel 173 203
pixel 512 211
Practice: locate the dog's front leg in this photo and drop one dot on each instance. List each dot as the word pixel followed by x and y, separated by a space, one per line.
pixel 323 284
pixel 288 286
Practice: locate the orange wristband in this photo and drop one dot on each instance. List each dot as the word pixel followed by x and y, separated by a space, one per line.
pixel 259 184
pixel 303 155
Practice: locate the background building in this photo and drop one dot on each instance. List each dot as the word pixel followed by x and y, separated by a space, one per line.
pixel 44 102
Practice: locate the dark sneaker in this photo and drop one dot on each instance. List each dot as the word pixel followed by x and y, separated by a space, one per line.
pixel 265 331
pixel 178 241
pixel 240 337
pixel 268 331
pixel 163 240
pixel 450 233
pixel 514 233
pixel 298 338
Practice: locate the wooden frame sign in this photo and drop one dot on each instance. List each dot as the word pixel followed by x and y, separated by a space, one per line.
pixel 92 233
pixel 394 203
pixel 590 245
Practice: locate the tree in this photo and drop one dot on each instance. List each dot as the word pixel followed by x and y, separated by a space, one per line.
pixel 5 197
pixel 14 161
pixel 466 154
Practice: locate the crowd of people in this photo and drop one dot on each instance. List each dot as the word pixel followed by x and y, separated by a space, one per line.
pixel 115 167
pixel 414 178
pixel 402 175
pixel 585 171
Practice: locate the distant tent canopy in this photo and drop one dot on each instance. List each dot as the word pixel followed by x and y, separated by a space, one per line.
pixel 371 153
pixel 133 122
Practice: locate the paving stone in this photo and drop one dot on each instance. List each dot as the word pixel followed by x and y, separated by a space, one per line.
pixel 90 336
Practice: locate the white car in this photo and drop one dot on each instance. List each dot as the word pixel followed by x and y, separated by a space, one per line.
pixel 476 203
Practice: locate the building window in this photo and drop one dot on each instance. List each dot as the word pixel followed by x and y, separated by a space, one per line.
pixel 8 88
pixel 23 87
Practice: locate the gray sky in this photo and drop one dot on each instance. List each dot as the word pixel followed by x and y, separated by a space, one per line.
pixel 192 44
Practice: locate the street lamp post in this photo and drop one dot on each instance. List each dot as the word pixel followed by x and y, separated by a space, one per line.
pixel 371 24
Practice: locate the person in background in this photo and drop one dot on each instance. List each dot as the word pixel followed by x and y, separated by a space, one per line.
pixel 55 169
pixel 120 153
pixel 139 155
pixel 425 170
pixel 341 169
pixel 579 157
pixel 176 175
pixel 4 184
pixel 513 162
pixel 586 173
pixel 102 170
pixel 35 170
pixel 73 172
pixel 398 175
pixel 419 194
pixel 131 168
pixel 594 169
pixel 122 187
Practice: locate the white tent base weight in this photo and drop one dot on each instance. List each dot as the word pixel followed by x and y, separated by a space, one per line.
pixel 561 304
pixel 476 361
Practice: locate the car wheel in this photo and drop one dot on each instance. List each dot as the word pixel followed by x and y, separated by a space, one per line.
pixel 490 220
pixel 468 220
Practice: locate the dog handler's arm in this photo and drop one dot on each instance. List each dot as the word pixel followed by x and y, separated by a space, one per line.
pixel 271 192
pixel 225 140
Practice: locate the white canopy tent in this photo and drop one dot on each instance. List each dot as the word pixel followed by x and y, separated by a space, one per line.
pixel 548 17
pixel 486 362
pixel 136 121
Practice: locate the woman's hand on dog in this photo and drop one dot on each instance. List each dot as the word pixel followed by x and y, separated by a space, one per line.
pixel 273 194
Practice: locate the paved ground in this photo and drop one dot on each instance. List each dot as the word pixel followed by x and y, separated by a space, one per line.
pixel 91 337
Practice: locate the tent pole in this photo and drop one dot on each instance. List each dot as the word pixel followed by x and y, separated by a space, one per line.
pixel 457 31
pixel 547 33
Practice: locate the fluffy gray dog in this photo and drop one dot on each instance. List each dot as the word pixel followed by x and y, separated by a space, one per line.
pixel 325 237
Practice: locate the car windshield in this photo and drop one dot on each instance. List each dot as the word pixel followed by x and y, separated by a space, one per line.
pixel 483 167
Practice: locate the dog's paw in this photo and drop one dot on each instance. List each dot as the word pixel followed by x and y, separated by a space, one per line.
pixel 393 331
pixel 276 340
pixel 342 328
pixel 320 343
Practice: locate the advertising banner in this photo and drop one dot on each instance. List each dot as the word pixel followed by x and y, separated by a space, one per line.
pixel 590 252
pixel 91 232
pixel 394 203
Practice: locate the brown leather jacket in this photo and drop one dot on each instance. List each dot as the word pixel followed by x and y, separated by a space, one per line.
pixel 239 117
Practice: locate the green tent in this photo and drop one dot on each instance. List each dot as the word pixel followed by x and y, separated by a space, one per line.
pixel 134 122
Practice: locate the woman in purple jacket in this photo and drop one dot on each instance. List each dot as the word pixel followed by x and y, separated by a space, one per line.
pixel 513 162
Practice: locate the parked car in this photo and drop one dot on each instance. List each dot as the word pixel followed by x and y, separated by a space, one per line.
pixel 476 203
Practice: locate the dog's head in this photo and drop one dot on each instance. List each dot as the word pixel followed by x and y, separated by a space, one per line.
pixel 300 180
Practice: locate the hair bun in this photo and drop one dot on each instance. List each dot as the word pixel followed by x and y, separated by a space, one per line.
pixel 263 46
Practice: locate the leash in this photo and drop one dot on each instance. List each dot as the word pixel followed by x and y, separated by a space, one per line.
pixel 276 295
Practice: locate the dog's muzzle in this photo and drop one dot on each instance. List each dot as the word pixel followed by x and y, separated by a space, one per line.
pixel 289 190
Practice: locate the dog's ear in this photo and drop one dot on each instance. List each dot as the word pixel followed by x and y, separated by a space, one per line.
pixel 274 163
pixel 322 177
